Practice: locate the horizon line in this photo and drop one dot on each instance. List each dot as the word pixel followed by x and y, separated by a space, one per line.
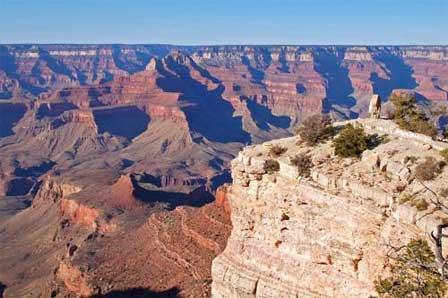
pixel 221 45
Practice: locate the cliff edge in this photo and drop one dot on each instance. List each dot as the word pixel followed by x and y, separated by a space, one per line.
pixel 326 235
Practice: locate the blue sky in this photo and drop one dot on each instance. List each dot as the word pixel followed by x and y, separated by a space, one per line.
pixel 225 22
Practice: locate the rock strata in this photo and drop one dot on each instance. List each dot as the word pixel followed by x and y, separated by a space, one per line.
pixel 326 235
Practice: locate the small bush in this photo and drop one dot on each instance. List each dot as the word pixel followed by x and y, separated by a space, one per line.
pixel 444 192
pixel 420 204
pixel 303 163
pixel 276 150
pixel 429 169
pixel 316 129
pixel 351 142
pixel 438 110
pixel 271 166
pixel 424 127
pixel 409 117
pixel 445 133
pixel 404 198
pixel 412 273
pixel 444 154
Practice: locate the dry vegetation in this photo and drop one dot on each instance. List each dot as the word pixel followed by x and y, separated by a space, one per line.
pixel 303 163
pixel 429 169
pixel 271 166
pixel 315 129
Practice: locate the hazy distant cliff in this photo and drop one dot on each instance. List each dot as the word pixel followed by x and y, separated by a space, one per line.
pixel 343 76
pixel 147 134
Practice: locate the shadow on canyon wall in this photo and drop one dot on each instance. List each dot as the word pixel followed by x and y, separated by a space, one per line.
pixel 2 289
pixel 140 293
pixel 207 112
pixel 257 75
pixel 55 65
pixel 9 115
pixel 132 121
pixel 196 198
pixel 131 64
pixel 221 179
pixel 54 109
pixel 400 76
pixel 338 87
pixel 263 117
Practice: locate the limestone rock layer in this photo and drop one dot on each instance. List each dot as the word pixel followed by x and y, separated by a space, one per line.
pixel 326 235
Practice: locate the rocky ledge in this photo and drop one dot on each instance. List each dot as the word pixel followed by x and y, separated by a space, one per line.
pixel 326 235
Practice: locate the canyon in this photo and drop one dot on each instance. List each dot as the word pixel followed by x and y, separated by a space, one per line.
pixel 115 159
pixel 327 235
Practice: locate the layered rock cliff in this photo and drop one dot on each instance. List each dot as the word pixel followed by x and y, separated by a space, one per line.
pixel 326 235
pixel 145 134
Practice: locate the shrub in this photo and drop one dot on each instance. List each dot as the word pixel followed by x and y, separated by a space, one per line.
pixel 420 204
pixel 445 133
pixel 409 117
pixel 271 166
pixel 351 142
pixel 412 274
pixel 303 163
pixel 316 129
pixel 404 198
pixel 429 169
pixel 444 193
pixel 438 110
pixel 444 154
pixel 276 150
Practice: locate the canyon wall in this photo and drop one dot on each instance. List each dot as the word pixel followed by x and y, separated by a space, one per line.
pixel 326 235
pixel 286 79
pixel 145 135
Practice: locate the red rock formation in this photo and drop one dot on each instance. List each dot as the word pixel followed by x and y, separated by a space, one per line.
pixel 121 193
pixel 74 280
pixel 104 115
pixel 172 249
pixel 79 213
pixel 431 77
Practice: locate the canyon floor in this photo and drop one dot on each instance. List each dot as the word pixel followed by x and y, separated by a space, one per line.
pixel 115 159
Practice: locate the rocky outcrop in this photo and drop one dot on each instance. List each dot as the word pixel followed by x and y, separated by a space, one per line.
pixel 326 235
pixel 127 133
pixel 52 190
pixel 74 280
pixel 288 80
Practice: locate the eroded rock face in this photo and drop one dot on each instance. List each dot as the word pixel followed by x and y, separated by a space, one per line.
pixel 96 117
pixel 326 235
pixel 73 279
pixel 52 190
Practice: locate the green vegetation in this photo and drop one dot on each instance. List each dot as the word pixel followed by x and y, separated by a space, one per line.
pixel 271 166
pixel 303 163
pixel 316 129
pixel 276 150
pixel 444 154
pixel 429 169
pixel 445 133
pixel 404 198
pixel 419 203
pixel 409 117
pixel 413 274
pixel 351 141
pixel 438 110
